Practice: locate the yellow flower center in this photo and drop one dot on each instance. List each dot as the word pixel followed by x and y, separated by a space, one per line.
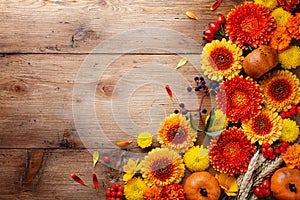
pixel 239 99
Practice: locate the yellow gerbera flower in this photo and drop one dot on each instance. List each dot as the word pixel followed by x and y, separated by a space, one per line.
pixel 290 58
pixel 280 90
pixel 290 130
pixel 134 189
pixel 269 4
pixel 130 169
pixel 144 139
pixel 162 167
pixel 196 158
pixel 228 184
pixel 176 133
pixel 281 16
pixel 264 128
pixel 221 59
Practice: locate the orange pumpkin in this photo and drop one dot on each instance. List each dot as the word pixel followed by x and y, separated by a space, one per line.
pixel 201 186
pixel 285 184
pixel 260 61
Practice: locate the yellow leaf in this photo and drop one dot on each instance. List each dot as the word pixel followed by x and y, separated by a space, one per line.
pixel 191 15
pixel 124 143
pixel 182 62
pixel 95 157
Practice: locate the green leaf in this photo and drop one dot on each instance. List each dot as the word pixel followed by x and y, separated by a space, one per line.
pixel 215 133
pixel 95 157
pixel 182 62
pixel 210 120
pixel 193 125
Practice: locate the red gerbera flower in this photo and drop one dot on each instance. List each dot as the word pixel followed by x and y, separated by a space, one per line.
pixel 231 152
pixel 239 98
pixel 249 24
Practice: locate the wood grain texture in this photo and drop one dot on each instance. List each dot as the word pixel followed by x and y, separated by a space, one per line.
pixel 61 98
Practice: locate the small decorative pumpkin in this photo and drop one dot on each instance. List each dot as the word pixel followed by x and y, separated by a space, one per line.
pixel 260 61
pixel 285 184
pixel 202 186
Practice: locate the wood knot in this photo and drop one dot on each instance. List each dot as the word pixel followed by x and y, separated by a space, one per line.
pixel 18 87
pixel 108 89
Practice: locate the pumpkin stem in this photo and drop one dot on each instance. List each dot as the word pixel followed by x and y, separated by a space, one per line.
pixel 203 192
pixel 292 187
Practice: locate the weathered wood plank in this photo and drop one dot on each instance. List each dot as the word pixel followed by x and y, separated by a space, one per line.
pixel 78 26
pixel 42 108
pixel 45 174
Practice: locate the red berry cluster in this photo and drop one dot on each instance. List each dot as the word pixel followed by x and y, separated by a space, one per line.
pixel 271 153
pixel 294 110
pixel 214 27
pixel 115 192
pixel 263 190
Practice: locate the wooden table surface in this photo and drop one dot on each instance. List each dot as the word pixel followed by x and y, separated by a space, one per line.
pixel 77 76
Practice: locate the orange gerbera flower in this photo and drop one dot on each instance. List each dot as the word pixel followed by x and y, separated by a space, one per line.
pixel 249 24
pixel 280 39
pixel 293 26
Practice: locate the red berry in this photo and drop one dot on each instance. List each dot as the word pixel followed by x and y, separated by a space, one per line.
pixel 118 198
pixel 208 38
pixel 292 111
pixel 282 149
pixel 119 194
pixel 265 184
pixel 121 189
pixel 214 27
pixel 208 32
pixel 266 155
pixel 287 114
pixel 298 109
pixel 106 159
pixel 114 194
pixel 277 151
pixel 258 192
pixel 221 19
pixel 270 151
pixel 111 189
pixel 266 192
pixel 266 145
pixel 282 114
pixel 285 144
pixel 294 107
pixel 272 157
pixel 264 150
pixel 108 193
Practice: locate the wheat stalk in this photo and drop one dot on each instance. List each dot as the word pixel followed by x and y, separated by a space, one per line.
pixel 267 169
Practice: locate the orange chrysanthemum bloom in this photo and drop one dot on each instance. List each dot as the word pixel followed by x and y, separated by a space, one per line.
pixel 293 26
pixel 289 5
pixel 174 191
pixel 280 39
pixel 152 193
pixel 249 24
pixel 291 156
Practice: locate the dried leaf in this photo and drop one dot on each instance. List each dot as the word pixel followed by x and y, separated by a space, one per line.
pixel 216 5
pixel 95 181
pixel 182 62
pixel 191 15
pixel 124 143
pixel 78 180
pixel 95 157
